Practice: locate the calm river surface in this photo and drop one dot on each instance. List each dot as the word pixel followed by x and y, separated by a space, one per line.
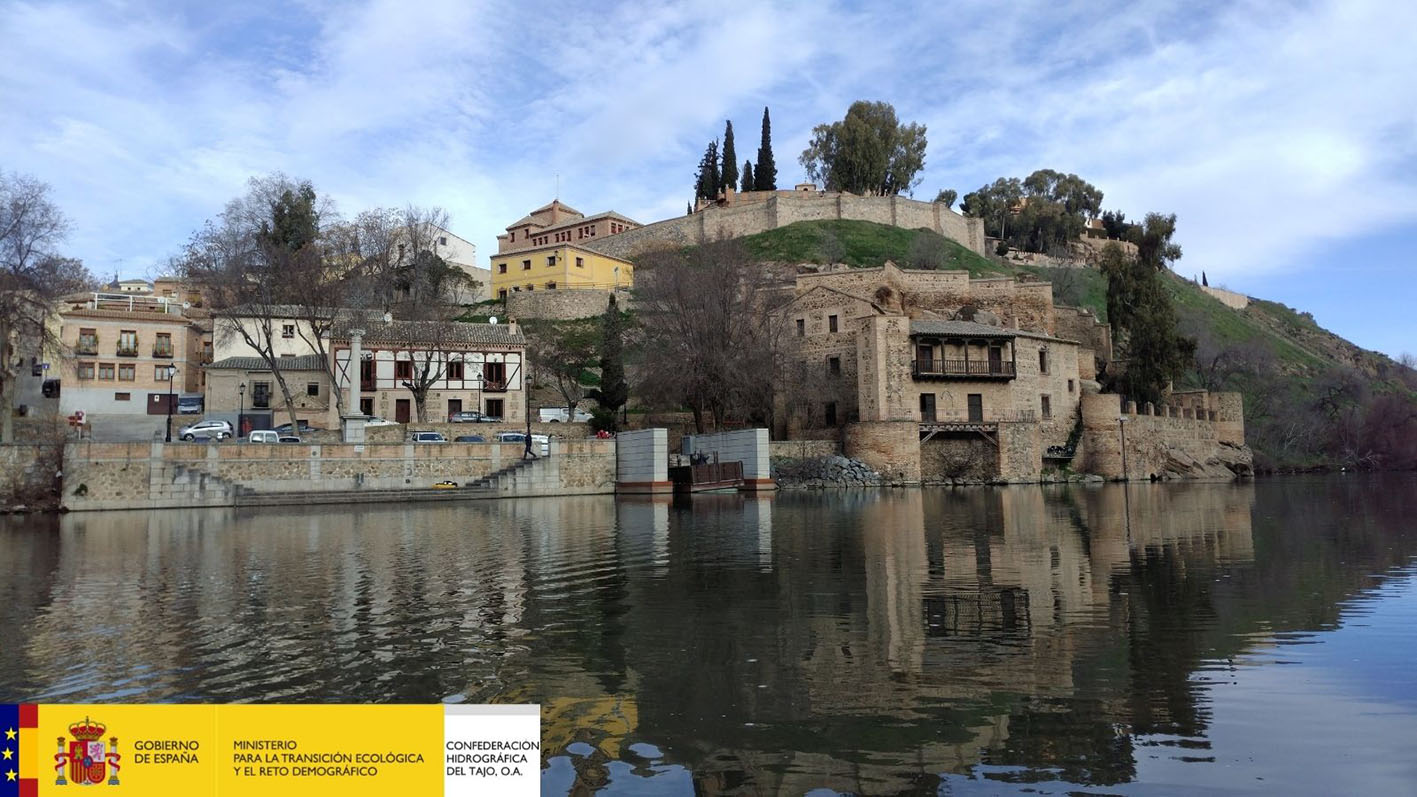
pixel 1155 640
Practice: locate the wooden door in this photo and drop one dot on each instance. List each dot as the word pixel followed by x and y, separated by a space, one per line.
pixel 996 359
pixel 927 407
pixel 401 410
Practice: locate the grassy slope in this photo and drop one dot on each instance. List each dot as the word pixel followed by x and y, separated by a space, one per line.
pixel 862 243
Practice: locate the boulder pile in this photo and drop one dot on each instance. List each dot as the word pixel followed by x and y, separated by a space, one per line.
pixel 821 472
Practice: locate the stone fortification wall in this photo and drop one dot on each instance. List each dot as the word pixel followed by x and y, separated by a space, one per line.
pixel 154 475
pixel 783 208
pixel 1013 303
pixel 1073 323
pixel 562 305
pixel 1168 442
pixel 1231 299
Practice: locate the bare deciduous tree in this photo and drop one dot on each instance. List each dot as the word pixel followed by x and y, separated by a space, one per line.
pixel 32 276
pixel 707 333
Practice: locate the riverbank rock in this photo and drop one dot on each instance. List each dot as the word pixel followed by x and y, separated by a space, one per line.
pixel 823 472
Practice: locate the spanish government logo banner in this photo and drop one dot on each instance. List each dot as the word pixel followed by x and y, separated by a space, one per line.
pixel 269 750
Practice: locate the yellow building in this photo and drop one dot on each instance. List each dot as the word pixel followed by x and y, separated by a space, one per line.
pixel 542 252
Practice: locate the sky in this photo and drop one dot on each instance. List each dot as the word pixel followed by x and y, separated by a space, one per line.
pixel 1282 134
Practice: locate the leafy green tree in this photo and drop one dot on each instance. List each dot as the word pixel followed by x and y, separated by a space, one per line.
pixel 1143 326
pixel 1078 197
pixel 947 196
pixel 993 203
pixel 614 391
pixel 748 184
pixel 765 170
pixel 869 152
pixel 1115 223
pixel 1153 239
pixel 728 175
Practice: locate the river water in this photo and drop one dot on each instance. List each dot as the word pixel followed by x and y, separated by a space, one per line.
pixel 1153 639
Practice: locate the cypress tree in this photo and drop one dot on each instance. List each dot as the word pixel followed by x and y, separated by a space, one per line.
pixel 729 177
pixel 613 391
pixel 765 173
pixel 748 184
pixel 709 179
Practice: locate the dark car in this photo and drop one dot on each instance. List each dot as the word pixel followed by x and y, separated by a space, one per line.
pixel 469 438
pixel 471 416
pixel 305 428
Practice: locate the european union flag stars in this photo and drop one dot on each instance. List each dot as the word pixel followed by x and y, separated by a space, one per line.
pixel 19 726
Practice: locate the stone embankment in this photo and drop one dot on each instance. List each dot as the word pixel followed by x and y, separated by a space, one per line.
pixel 820 472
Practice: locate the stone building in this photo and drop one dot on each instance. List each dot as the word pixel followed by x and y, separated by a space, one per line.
pixel 935 375
pixel 476 367
pixel 117 349
pixel 547 250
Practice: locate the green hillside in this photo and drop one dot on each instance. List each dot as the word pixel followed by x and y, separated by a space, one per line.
pixel 1287 366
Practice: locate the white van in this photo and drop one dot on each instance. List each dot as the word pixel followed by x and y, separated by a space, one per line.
pixel 263 436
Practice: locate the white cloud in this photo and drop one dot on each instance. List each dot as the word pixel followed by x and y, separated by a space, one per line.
pixel 1269 128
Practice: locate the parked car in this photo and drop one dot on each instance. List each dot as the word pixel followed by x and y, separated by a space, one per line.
pixel 561 415
pixel 289 438
pixel 469 438
pixel 305 428
pixel 219 430
pixel 541 443
pixel 446 484
pixel 471 416
pixel 374 420
pixel 263 436
pixel 426 437
pixel 189 405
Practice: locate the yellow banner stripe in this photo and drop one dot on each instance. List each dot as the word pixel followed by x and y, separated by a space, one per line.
pixel 29 742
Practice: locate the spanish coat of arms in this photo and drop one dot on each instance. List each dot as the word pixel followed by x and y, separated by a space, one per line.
pixel 87 760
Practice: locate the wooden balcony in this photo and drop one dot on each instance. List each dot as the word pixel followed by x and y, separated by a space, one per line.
pixel 964 369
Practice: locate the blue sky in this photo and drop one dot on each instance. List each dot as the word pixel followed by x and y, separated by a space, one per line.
pixel 1284 135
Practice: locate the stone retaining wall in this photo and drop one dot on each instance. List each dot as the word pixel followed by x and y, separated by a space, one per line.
pixel 152 475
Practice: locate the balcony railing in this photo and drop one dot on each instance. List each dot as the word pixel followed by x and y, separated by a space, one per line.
pixel 127 351
pixel 494 386
pixel 90 349
pixel 964 369
pixel 162 351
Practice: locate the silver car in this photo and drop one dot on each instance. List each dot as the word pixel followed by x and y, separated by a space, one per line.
pixel 217 430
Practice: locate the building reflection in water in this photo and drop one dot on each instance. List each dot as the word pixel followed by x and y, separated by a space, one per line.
pixel 868 642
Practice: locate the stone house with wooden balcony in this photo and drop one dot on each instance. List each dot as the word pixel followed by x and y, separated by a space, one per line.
pixel 949 362
pixel 116 350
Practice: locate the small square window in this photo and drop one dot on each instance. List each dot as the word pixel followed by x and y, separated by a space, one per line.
pixel 502 293
pixel 312 388
pixel 550 286
pixel 580 262
pixel 526 265
pixel 831 323
pixel 122 396
pixel 105 371
pixel 550 260
pixel 501 268
pixel 86 370
pixel 442 240
pixel 287 330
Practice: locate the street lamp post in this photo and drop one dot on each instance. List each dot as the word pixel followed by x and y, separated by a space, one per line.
pixel 1122 429
pixel 171 372
pixel 241 412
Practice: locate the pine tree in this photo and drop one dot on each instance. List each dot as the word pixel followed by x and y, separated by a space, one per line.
pixel 689 209
pixel 729 177
pixel 1204 281
pixel 748 184
pixel 765 173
